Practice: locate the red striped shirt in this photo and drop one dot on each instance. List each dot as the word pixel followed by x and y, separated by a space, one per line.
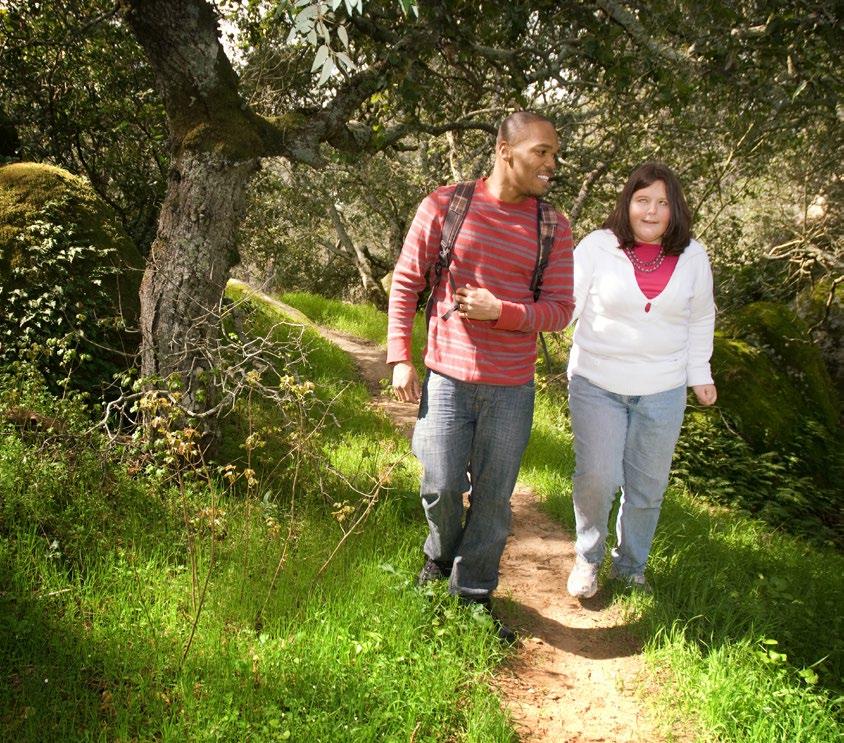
pixel 496 249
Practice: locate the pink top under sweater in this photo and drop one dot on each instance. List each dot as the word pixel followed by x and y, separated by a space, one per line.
pixel 496 249
pixel 652 283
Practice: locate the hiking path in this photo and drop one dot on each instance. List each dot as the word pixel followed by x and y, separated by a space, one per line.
pixel 575 674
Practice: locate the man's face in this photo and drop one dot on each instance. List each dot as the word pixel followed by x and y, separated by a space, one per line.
pixel 532 159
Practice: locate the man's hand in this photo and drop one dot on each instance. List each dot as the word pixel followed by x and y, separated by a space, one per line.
pixel 706 394
pixel 406 382
pixel 477 304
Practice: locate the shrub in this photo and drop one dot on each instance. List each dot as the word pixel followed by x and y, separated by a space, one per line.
pixel 69 278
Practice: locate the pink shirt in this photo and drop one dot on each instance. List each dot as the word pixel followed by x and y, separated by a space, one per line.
pixel 652 283
pixel 496 249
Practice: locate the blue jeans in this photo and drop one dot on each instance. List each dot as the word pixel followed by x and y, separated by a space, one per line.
pixel 470 437
pixel 621 441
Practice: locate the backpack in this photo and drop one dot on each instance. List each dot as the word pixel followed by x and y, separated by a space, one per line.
pixel 458 206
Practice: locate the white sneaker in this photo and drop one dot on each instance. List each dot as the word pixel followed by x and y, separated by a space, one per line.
pixel 583 579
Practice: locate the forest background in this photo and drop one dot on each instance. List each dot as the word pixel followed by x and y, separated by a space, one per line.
pixel 291 144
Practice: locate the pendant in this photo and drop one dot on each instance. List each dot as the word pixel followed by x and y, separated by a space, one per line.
pixel 648 307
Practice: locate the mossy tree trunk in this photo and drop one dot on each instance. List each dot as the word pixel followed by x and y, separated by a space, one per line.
pixel 216 145
pixel 188 270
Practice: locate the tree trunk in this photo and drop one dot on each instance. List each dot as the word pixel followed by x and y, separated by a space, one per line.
pixel 215 145
pixel 188 269
pixel 373 290
pixel 216 141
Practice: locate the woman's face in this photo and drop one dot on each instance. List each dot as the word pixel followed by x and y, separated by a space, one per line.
pixel 650 213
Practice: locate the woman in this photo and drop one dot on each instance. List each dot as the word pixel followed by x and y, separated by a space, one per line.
pixel 643 292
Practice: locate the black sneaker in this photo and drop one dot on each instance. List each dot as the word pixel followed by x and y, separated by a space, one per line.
pixel 432 571
pixel 505 634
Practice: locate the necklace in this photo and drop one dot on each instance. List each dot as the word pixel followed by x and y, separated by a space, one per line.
pixel 645 266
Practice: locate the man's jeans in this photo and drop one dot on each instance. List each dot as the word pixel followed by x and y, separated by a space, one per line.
pixel 482 430
pixel 621 441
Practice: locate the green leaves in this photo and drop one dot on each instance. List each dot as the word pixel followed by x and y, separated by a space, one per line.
pixel 53 297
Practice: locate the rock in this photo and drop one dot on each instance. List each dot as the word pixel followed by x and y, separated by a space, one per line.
pixel 770 375
pixel 824 314
pixel 55 234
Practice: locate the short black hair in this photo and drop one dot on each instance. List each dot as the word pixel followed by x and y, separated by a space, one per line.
pixel 678 234
pixel 515 123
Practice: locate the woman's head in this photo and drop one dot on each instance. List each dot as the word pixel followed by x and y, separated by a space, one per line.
pixel 641 214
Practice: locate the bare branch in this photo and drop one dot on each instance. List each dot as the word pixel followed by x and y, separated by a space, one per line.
pixel 585 189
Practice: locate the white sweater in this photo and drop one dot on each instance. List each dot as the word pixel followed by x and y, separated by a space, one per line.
pixel 620 347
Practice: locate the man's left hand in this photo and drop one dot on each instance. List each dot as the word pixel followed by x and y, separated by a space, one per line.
pixel 475 303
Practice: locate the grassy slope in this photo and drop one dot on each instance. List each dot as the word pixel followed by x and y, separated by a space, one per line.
pixel 98 602
pixel 744 631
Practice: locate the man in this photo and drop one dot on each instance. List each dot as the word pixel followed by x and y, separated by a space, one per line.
pixel 476 403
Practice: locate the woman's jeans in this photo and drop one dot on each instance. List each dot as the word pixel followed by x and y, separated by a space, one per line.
pixel 470 433
pixel 622 441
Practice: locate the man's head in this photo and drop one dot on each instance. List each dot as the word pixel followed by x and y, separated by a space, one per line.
pixel 525 156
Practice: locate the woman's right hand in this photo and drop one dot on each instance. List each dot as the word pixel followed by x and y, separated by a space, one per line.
pixel 706 394
pixel 406 382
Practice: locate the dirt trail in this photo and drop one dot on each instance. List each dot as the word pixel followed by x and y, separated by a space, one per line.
pixel 573 677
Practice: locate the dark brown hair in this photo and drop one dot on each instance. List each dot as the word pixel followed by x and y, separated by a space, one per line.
pixel 678 234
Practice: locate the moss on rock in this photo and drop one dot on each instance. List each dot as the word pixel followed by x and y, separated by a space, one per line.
pixel 25 190
pixel 771 377
pixel 820 306
pixel 72 218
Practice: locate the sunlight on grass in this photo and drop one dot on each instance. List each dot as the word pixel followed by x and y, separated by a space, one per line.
pixel 743 634
pixel 362 320
pixel 744 626
pixel 297 618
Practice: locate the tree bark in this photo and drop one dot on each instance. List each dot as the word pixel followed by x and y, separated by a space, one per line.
pixel 215 145
pixel 374 291
pixel 188 269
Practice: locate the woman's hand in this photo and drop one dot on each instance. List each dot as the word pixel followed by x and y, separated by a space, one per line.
pixel 706 394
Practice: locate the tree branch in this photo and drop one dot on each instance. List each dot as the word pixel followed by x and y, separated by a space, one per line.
pixel 585 190
pixel 637 32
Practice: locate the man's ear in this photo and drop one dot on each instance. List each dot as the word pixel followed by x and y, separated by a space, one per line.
pixel 504 151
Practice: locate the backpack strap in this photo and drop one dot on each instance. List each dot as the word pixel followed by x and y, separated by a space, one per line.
pixel 458 206
pixel 546 225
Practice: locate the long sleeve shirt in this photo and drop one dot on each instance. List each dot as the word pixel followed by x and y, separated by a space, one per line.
pixel 496 249
pixel 629 344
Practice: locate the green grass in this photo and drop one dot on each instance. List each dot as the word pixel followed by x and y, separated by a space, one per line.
pixel 743 635
pixel 362 320
pixel 99 589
